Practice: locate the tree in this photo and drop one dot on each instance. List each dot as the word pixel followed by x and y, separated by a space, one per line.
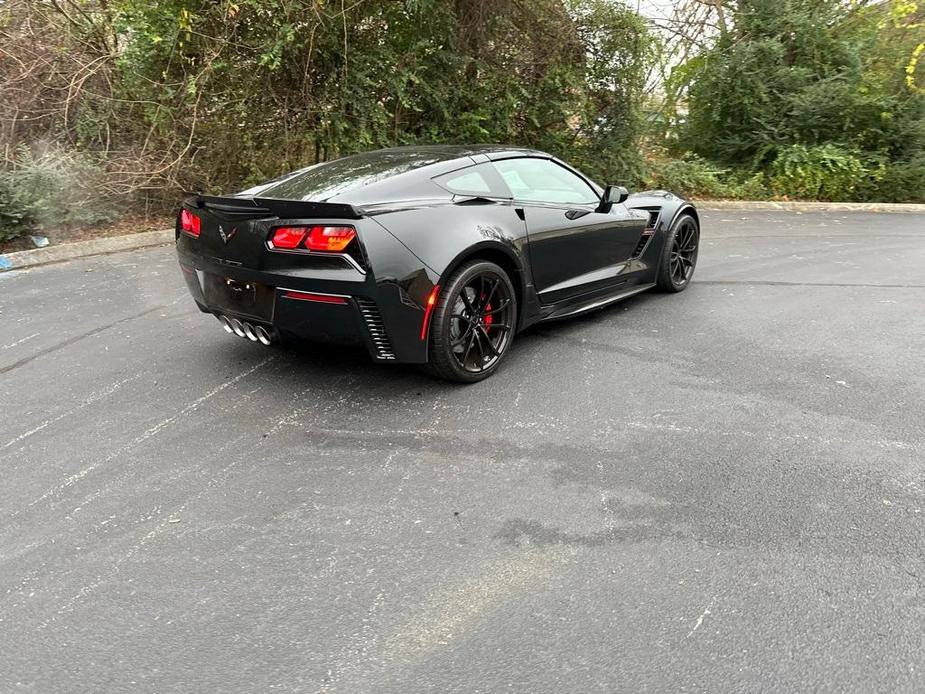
pixel 808 85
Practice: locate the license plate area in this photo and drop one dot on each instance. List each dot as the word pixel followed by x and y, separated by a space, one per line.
pixel 252 299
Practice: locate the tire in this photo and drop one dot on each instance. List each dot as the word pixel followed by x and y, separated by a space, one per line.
pixel 678 262
pixel 473 323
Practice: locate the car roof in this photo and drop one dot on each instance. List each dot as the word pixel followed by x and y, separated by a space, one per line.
pixel 460 151
pixel 383 174
pixel 463 150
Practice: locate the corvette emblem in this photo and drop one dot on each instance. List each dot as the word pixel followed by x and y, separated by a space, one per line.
pixel 227 236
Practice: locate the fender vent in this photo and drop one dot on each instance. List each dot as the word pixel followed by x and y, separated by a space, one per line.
pixel 376 328
pixel 641 246
pixel 647 233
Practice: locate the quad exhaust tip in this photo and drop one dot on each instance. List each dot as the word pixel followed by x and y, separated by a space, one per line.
pixel 237 326
pixel 254 333
pixel 226 324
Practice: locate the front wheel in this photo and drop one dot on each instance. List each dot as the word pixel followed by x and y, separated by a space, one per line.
pixel 679 256
pixel 473 323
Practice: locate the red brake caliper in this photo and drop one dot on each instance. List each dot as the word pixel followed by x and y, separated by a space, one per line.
pixel 487 319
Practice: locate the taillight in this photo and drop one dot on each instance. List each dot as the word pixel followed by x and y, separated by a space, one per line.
pixel 288 237
pixel 190 223
pixel 331 239
pixel 327 239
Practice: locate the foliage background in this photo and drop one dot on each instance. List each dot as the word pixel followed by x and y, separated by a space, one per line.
pixel 109 105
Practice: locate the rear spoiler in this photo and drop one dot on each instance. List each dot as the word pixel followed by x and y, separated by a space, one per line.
pixel 284 209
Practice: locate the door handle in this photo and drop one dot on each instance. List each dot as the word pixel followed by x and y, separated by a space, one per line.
pixel 576 214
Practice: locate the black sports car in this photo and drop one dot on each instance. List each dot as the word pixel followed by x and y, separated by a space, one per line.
pixel 431 255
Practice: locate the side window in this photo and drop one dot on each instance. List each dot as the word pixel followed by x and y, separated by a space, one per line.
pixel 473 180
pixel 541 180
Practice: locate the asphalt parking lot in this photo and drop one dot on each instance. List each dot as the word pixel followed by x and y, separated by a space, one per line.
pixel 721 490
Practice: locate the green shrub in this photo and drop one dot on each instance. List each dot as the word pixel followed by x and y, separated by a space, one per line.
pixel 12 210
pixel 693 176
pixel 690 175
pixel 901 182
pixel 52 190
pixel 824 172
pixel 745 184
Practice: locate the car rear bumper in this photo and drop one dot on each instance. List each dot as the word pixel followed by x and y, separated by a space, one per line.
pixel 342 305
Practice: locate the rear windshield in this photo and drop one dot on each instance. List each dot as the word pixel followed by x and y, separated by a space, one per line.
pixel 325 180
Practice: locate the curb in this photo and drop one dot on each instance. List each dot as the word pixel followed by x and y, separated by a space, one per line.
pixel 769 206
pixel 82 249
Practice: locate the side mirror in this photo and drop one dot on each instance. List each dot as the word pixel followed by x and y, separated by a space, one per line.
pixel 613 195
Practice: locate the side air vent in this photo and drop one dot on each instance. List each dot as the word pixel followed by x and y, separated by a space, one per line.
pixel 641 246
pixel 647 233
pixel 374 324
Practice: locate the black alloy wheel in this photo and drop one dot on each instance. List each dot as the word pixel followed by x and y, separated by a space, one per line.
pixel 473 323
pixel 679 257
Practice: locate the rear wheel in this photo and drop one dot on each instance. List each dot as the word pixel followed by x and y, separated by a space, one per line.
pixel 473 323
pixel 679 256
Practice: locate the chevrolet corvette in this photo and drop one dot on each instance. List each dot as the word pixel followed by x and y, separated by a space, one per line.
pixel 434 255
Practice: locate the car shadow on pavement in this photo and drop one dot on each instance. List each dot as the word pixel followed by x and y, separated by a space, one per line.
pixel 315 361
pixel 306 363
pixel 609 316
